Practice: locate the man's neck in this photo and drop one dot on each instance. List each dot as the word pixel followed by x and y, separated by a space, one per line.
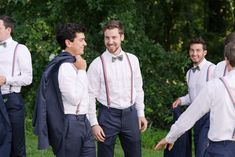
pixel 3 40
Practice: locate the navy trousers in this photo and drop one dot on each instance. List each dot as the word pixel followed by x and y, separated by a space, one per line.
pixel 78 138
pixel 5 130
pixel 15 109
pixel 183 145
pixel 220 149
pixel 201 140
pixel 123 123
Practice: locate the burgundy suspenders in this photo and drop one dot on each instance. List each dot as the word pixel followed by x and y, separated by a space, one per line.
pixel 13 63
pixel 106 81
pixel 231 97
pixel 131 78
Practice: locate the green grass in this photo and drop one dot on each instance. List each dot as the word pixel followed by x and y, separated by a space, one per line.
pixel 149 139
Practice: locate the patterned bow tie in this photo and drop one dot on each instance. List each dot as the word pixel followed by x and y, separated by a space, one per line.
pixel 120 57
pixel 195 68
pixel 4 44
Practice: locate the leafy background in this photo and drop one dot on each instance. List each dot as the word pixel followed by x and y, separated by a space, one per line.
pixel 157 31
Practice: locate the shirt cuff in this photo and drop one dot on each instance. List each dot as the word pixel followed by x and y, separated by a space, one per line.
pixel 140 113
pixel 169 139
pixel 183 101
pixel 93 121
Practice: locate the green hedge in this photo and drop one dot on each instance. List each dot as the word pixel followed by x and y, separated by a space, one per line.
pixel 146 23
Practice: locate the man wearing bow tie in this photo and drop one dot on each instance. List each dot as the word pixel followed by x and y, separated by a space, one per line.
pixel 197 77
pixel 15 71
pixel 218 97
pixel 115 81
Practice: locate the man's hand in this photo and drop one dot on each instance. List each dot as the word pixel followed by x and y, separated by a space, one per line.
pixel 176 103
pixel 98 133
pixel 143 123
pixel 80 63
pixel 163 143
pixel 2 80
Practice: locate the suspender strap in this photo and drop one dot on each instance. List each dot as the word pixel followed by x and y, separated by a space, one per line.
pixel 106 81
pixel 77 110
pixel 131 77
pixel 225 69
pixel 208 73
pixel 189 75
pixel 207 76
pixel 231 97
pixel 228 90
pixel 13 63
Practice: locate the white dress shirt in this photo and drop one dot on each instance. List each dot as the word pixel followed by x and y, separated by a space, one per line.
pixel 73 86
pixel 23 66
pixel 214 98
pixel 197 80
pixel 220 69
pixel 119 81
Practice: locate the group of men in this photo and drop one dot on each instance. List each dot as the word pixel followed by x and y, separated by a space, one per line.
pixel 65 115
pixel 211 110
pixel 68 97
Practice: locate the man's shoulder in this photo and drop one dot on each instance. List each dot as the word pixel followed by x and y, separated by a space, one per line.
pixel 97 60
pixel 209 63
pixel 132 56
pixel 221 63
pixel 21 47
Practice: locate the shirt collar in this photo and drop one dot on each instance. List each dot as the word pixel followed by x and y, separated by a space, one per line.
pixel 112 55
pixel 8 41
pixel 202 63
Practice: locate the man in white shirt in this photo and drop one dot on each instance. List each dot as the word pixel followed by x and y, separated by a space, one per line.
pixel 15 72
pixel 197 77
pixel 218 98
pixel 115 81
pixel 221 69
pixel 62 102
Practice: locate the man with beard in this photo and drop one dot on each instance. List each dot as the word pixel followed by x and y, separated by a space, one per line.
pixel 115 81
pixel 197 77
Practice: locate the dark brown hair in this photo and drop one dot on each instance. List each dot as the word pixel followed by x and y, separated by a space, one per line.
pixel 114 24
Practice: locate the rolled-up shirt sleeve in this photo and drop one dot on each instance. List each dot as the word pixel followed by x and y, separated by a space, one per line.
pixel 93 89
pixel 23 75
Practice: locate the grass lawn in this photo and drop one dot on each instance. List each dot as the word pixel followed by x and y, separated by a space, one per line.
pixel 31 142
pixel 149 138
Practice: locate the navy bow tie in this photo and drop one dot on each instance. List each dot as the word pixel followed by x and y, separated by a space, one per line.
pixel 195 68
pixel 4 44
pixel 120 57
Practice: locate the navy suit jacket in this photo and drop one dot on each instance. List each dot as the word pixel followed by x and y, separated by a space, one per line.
pixel 48 117
pixel 5 130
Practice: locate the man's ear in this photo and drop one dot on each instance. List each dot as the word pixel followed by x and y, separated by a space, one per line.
pixel 205 52
pixel 9 30
pixel 122 37
pixel 67 42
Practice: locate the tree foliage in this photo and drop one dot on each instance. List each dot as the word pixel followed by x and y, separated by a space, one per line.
pixel 156 31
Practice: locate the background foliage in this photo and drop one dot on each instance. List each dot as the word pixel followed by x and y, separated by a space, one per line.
pixel 157 31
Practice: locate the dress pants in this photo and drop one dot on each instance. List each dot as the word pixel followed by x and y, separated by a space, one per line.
pixel 123 123
pixel 78 138
pixel 183 145
pixel 220 149
pixel 201 140
pixel 15 109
